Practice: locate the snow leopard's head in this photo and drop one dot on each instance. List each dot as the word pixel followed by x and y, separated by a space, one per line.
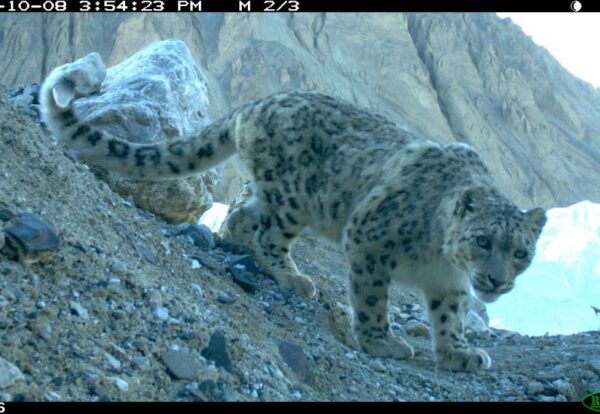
pixel 492 239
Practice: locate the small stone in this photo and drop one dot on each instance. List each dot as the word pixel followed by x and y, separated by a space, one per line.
pixel 209 262
pixel 148 255
pixel 118 268
pixel 594 364
pixel 216 351
pixel 198 289
pixel 564 387
pixel 534 387
pixel 141 362
pixel 546 398
pixel 180 364
pixel 112 361
pixel 128 202
pixel 294 357
pixel 161 313
pixel 475 323
pixel 415 307
pixel 243 262
pixel 243 279
pixel 560 398
pixel 51 396
pixel 416 328
pixel 9 374
pixel 299 320
pixel 6 214
pixel 226 299
pixel 203 392
pixel 29 239
pixel 296 395
pixel 79 310
pixel 195 264
pixel 227 394
pixel 233 247
pixel 122 385
pixel 377 366
pixel 395 326
pixel 115 281
pixel 200 234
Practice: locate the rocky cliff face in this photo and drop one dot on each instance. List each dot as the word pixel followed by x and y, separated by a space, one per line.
pixel 468 77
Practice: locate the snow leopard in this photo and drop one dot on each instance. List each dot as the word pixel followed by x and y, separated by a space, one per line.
pixel 403 208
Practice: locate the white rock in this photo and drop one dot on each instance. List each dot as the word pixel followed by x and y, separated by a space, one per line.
pixel 158 93
pixel 9 373
pixel 161 313
pixel 52 396
pixel 195 264
pixel 198 288
pixel 122 385
pixel 79 309
pixel 112 361
pixel 564 387
pixel 377 365
pixel 474 322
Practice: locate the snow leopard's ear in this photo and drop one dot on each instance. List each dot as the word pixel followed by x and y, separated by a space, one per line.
pixel 470 201
pixel 63 93
pixel 536 219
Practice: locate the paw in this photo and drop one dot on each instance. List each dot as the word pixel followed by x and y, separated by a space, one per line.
pixel 388 347
pixel 472 359
pixel 297 283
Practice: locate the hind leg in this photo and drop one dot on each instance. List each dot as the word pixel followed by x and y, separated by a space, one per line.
pixel 277 230
pixel 243 222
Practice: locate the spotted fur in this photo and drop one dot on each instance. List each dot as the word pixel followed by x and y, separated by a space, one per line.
pixel 403 208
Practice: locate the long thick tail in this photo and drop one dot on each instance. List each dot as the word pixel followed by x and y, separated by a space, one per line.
pixel 166 159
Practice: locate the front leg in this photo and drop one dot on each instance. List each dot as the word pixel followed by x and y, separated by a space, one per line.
pixel 369 284
pixel 447 311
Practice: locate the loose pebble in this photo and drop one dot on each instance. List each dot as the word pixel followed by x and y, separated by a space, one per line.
pixel 121 385
pixel 216 351
pixel 377 366
pixel 416 328
pixel 78 309
pixel 294 357
pixel 9 373
pixel 180 364
pixel 161 313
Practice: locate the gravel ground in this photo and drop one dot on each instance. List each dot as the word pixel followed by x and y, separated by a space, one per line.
pixel 124 309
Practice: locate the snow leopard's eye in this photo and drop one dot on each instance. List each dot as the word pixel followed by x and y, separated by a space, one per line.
pixel 520 254
pixel 484 242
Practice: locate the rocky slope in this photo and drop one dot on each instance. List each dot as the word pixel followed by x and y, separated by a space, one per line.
pixel 127 307
pixel 469 77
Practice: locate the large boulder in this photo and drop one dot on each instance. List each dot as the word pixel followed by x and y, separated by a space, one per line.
pixel 158 93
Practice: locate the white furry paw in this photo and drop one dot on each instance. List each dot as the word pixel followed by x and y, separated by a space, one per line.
pixel 389 347
pixel 472 359
pixel 297 283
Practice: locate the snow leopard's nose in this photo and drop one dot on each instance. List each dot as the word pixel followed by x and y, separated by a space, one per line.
pixel 495 282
